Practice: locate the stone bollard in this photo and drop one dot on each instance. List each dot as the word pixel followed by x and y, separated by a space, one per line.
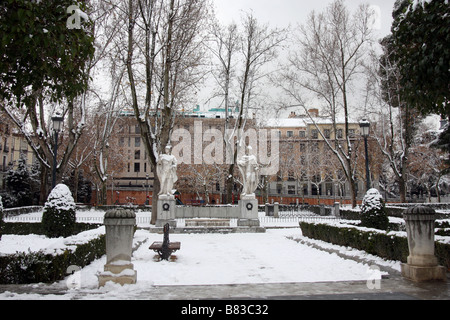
pixel 336 210
pixel 422 264
pixel 119 224
pixel 276 208
pixel 268 209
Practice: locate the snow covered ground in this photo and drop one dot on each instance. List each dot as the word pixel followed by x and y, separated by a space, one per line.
pixel 208 259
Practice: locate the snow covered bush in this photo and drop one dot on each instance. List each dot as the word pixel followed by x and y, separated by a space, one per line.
pixel 58 219
pixel 373 212
pixel 18 185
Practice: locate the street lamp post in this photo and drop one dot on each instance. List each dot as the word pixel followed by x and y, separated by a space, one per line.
pixel 57 122
pixel 365 128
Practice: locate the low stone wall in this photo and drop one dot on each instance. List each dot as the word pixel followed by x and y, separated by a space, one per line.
pixel 226 212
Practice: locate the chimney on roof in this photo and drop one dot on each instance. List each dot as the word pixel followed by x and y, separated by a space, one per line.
pixel 313 112
pixel 292 115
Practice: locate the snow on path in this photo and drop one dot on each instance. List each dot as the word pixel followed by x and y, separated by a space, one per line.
pixel 206 259
pixel 209 259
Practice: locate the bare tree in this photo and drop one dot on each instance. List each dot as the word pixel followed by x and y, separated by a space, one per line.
pixel 258 48
pixel 224 43
pixel 331 49
pixel 164 52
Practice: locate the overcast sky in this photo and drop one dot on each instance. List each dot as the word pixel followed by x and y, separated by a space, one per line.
pixel 281 13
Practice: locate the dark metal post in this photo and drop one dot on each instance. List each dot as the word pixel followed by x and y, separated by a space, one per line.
pixel 55 152
pixel 367 165
pixel 365 130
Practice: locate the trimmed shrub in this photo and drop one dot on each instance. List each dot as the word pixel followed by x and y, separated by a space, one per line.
pixel 34 267
pixel 384 245
pixel 58 219
pixel 24 228
pixel 373 211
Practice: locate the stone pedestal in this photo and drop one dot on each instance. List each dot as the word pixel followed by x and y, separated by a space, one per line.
pixel 166 211
pixel 248 217
pixel 276 208
pixel 119 224
pixel 336 210
pixel 422 264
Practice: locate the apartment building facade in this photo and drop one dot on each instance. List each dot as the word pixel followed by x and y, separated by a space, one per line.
pixel 13 146
pixel 308 172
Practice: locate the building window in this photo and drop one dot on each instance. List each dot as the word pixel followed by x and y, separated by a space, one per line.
pixel 121 141
pixel 137 155
pixel 279 188
pixel 305 189
pixel 327 133
pixel 302 147
pixel 302 134
pixel 351 133
pixel 137 129
pixel 291 189
pixel 339 134
pixel 314 134
pixel 137 167
pixel 137 142
pixel 290 134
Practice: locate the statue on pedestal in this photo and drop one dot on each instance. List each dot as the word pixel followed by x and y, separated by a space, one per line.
pixel 166 169
pixel 249 167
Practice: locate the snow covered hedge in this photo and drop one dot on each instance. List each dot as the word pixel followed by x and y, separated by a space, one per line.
pixel 34 267
pixel 386 245
pixel 25 228
pixel 58 219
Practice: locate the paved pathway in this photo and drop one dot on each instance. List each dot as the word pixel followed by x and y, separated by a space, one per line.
pixel 390 289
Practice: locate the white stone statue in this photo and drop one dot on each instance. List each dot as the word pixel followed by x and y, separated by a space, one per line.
pixel 249 167
pixel 166 169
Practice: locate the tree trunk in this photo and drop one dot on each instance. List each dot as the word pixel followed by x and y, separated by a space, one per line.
pixel 75 188
pixel 44 183
pixel 353 192
pixel 156 188
pixel 402 189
